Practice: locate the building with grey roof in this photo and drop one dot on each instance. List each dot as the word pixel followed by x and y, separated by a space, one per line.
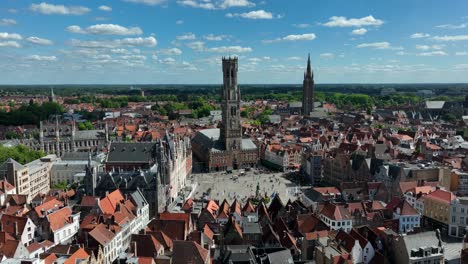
pixel 58 137
pixel 425 247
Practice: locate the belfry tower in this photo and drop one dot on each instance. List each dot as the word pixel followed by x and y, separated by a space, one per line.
pixel 308 90
pixel 230 130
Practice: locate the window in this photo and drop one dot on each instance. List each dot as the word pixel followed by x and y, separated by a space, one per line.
pixel 462 210
pixel 462 220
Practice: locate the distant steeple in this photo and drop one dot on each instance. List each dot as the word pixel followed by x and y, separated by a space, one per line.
pixel 52 95
pixel 309 69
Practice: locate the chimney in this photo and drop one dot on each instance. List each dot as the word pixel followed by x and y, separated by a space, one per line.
pixel 135 249
pixel 16 231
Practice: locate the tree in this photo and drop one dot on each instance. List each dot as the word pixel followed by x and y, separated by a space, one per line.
pixel 20 153
pixel 85 126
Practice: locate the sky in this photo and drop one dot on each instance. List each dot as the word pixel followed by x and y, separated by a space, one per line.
pixel 182 41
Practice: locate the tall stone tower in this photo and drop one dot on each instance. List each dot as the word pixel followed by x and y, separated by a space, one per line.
pixel 230 130
pixel 308 90
pixel 52 95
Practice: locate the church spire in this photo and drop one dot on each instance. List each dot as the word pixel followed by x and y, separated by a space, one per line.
pixel 309 70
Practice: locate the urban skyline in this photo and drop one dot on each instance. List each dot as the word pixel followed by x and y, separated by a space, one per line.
pixel 181 42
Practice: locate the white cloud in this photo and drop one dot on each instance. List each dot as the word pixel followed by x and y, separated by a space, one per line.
pixel 378 45
pixel 230 49
pixel 359 31
pixel 302 25
pixel 461 67
pixel 7 22
pixel 119 51
pixel 42 58
pixel 236 3
pixel 179 22
pixel 340 21
pixel 212 37
pixel 173 51
pixel 169 61
pixel 105 8
pixel 106 29
pixel 9 44
pixel 196 45
pixel 450 26
pixel 327 55
pixel 12 36
pixel 429 47
pixel 51 9
pixel 39 41
pixel 133 57
pixel 294 58
pixel 187 36
pixel 112 44
pixel 461 53
pixel 196 4
pixel 259 14
pixel 451 38
pixel 147 2
pixel 221 4
pixel 420 35
pixel 300 37
pixel 432 53
pixel 189 66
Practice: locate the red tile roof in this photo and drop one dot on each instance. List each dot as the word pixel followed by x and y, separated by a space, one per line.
pixel 53 204
pixel 189 252
pixel 177 216
pixel 109 203
pixel 336 212
pixel 101 234
pixel 80 254
pixel 60 218
pixel 6 186
pixel 441 195
pixel 8 249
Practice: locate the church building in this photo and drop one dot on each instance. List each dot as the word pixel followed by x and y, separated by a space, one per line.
pixel 308 90
pixel 224 148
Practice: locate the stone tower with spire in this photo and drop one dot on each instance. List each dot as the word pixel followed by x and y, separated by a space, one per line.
pixel 230 130
pixel 52 95
pixel 308 90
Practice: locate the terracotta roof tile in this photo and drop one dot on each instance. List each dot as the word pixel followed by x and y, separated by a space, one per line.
pixel 109 203
pixel 101 234
pixel 441 195
pixel 53 204
pixel 189 252
pixel 60 218
pixel 80 254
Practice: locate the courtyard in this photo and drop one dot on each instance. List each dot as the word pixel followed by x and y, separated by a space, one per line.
pixel 230 186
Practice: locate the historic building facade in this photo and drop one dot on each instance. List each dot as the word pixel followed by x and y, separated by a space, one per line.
pixel 56 137
pixel 308 90
pixel 158 169
pixel 224 148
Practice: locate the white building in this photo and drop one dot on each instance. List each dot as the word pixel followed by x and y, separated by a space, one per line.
pixel 336 217
pixel 63 224
pixel 458 217
pixel 415 197
pixel 30 179
pixel 39 175
pixel 21 228
pixel 408 217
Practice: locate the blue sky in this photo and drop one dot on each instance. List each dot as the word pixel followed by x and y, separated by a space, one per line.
pixel 182 41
